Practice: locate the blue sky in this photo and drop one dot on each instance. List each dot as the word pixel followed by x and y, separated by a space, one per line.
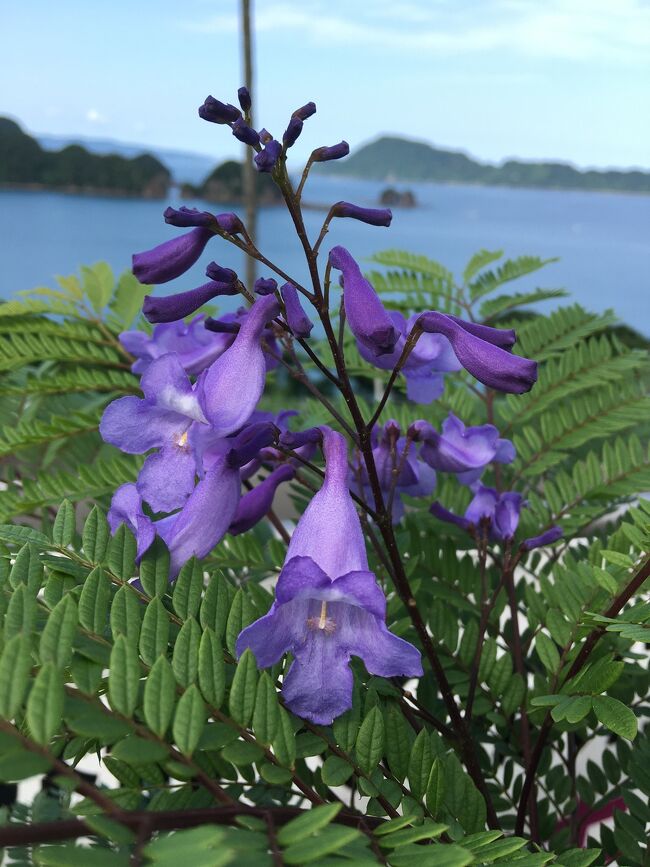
pixel 537 79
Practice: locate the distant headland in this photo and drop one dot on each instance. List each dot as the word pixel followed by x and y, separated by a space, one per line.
pixel 391 158
pixel 24 164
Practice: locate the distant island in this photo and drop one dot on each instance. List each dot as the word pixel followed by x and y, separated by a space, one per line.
pixel 24 164
pixel 397 159
pixel 225 186
pixel 397 198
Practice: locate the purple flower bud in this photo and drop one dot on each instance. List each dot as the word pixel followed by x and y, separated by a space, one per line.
pixel 172 258
pixel 368 320
pixel 305 111
pixel 249 442
pixel 265 136
pixel 546 538
pixel 245 133
pixel 297 319
pixel 174 307
pixel 184 217
pixel 257 503
pixel 488 362
pixel 218 326
pixel 297 439
pixel 372 216
pixel 503 337
pixel 506 514
pixel 266 159
pixel 218 112
pixel 332 152
pixel 244 97
pixel 265 286
pixel 221 275
pixel 230 223
pixel 292 132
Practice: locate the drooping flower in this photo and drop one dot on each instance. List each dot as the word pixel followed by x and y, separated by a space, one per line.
pixel 161 420
pixel 184 217
pixel 463 450
pixel 499 511
pixel 426 364
pixel 231 388
pixel 171 258
pixel 218 112
pixel 265 286
pixel 256 503
pixel 195 346
pixel 328 606
pixel 398 467
pixel 479 349
pixel 171 308
pixel 245 133
pixel 368 319
pixel 305 111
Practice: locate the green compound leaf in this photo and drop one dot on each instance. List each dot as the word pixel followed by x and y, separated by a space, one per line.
pixel 215 605
pixel 57 636
pixel 94 601
pixel 154 569
pixel 64 525
pixel 266 715
pixel 154 633
pixel 307 824
pixel 45 704
pixel 15 668
pixel 284 745
pixel 244 689
pixel 212 669
pixel 420 764
pixel 547 652
pixel 326 843
pixel 436 789
pixel 121 553
pixel 399 741
pixel 336 771
pixel 187 590
pixel 95 536
pixel 615 716
pixel 159 697
pixel 370 741
pixel 126 614
pixel 124 677
pixel 242 613
pixel 185 660
pixel 189 720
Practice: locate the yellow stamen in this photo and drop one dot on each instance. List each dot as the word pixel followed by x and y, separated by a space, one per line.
pixel 183 440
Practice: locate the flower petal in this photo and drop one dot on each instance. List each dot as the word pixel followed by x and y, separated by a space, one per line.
pixel 300 577
pixel 135 425
pixel 172 258
pixel 126 508
pixel 166 479
pixel 383 653
pixel 275 634
pixel 318 686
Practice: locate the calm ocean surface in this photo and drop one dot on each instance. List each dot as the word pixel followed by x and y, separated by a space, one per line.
pixel 602 239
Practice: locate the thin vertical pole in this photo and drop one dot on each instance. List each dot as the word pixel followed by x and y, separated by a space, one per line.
pixel 248 169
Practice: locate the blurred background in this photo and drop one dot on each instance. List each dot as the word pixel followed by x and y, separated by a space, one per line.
pixel 521 125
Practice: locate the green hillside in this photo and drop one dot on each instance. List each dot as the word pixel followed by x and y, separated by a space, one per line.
pixel 392 158
pixel 24 164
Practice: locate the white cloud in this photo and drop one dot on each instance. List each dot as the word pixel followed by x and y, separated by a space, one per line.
pixel 571 29
pixel 94 116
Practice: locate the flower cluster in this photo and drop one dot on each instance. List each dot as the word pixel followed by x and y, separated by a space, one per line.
pixel 205 435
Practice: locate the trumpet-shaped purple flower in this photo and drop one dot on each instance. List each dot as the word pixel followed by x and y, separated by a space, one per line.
pixel 171 308
pixel 398 466
pixel 465 451
pixel 231 388
pixel 431 357
pixel 328 606
pixel 366 315
pixel 499 510
pixel 195 347
pixel 161 420
pixel 172 258
pixel 479 349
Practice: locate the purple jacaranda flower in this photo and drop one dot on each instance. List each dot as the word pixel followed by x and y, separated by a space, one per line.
pixel 480 352
pixel 292 132
pixel 185 217
pixel 398 466
pixel 265 286
pixel 423 370
pixel 161 420
pixel 372 216
pixel 195 347
pixel 231 323
pixel 266 159
pixel 330 152
pixel 221 275
pixel 297 319
pixel 171 308
pixel 218 112
pixel 368 319
pixel 255 504
pixel 126 508
pixel 245 133
pixel 231 388
pixel 328 606
pixel 500 511
pixel 465 451
pixel 244 98
pixel 172 258
pixel 305 111
pixel 546 538
pixel 265 136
